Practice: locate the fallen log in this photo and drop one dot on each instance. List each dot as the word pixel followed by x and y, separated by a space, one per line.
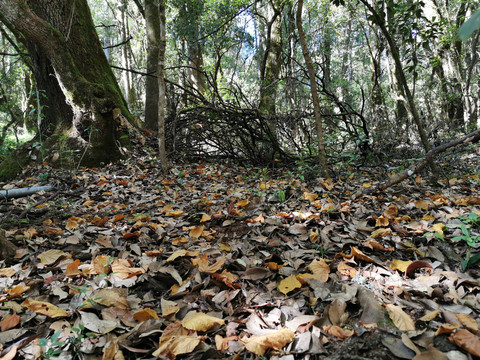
pixel 473 137
pixel 15 193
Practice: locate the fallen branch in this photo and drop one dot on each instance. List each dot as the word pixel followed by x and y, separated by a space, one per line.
pixel 473 137
pixel 15 193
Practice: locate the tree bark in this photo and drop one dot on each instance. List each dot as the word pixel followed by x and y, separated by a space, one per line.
pixel 81 92
pixel 152 19
pixel 272 60
pixel 161 88
pixel 313 87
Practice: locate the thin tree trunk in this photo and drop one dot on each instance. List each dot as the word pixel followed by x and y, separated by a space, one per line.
pixel 403 82
pixel 161 88
pixel 313 87
pixel 152 20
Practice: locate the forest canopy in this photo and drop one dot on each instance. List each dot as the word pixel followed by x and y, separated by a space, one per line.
pixel 387 76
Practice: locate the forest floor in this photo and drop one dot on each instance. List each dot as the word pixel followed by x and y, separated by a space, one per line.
pixel 219 261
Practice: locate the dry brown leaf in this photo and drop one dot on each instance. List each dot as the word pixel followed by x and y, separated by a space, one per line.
pixel 467 341
pixel 360 255
pixel 431 354
pixel 391 213
pixel 169 307
pixel 430 316
pixel 400 318
pixel 346 270
pixel 52 256
pixel 7 272
pixel 446 329
pixel 9 322
pixel 146 314
pixel 200 321
pixel 44 308
pixel 72 268
pixel 320 269
pixel 468 322
pixel 382 232
pixel 373 244
pixel 123 270
pixel 288 284
pixel 400 265
pixel 204 265
pixel 338 332
pixel 196 232
pixel 205 218
pixel 275 340
pixel 310 196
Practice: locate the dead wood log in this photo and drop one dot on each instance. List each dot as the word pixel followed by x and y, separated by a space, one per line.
pixel 473 137
pixel 15 193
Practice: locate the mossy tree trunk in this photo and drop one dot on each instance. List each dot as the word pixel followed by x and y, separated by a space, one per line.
pixel 80 97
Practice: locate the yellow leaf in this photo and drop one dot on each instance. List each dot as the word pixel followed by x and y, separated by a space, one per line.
pixel 346 270
pixel 438 228
pixel 391 213
pixel 175 213
pixel 382 232
pixel 446 329
pixel 17 290
pixel 400 318
pixel 430 316
pixel 275 340
pixel 400 265
pixel 204 264
pixel 111 297
pixel 44 308
pixel 200 322
pixel 51 256
pixel 146 314
pixel 422 204
pixel 320 269
pixel 382 222
pixel 7 272
pixel 205 218
pixel 196 232
pixel 468 322
pixel 71 225
pixel 310 196
pixel 242 203
pixel 122 269
pixel 289 284
pixel 169 307
pixel 337 331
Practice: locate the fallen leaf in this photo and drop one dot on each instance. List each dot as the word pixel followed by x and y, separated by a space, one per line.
pixel 44 308
pixel 9 322
pixel 200 321
pixel 338 332
pixel 467 341
pixel 146 314
pixel 401 319
pixel 468 322
pixel 51 256
pixel 275 340
pixel 288 284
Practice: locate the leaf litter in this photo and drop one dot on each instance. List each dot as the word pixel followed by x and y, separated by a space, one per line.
pixel 214 261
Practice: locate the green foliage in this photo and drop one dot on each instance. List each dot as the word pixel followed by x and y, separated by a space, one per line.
pixel 467 236
pixel 471 260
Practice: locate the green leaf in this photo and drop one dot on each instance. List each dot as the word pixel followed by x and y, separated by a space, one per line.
pixel 469 26
pixel 471 260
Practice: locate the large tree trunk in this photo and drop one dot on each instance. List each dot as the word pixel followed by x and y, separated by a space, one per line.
pixel 81 98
